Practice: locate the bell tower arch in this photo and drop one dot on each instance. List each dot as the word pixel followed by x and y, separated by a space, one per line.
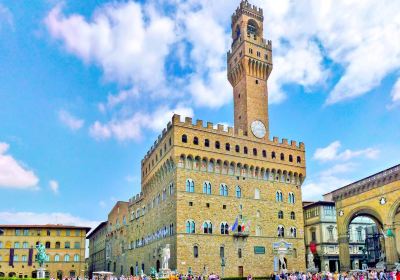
pixel 249 66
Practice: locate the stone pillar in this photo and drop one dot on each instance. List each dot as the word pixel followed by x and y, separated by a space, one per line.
pixel 344 254
pixel 336 266
pixel 390 249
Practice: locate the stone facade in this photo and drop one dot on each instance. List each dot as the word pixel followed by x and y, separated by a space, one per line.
pixel 376 196
pixel 97 249
pixel 320 228
pixel 65 246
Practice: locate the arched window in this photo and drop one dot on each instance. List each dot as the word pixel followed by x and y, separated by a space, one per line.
pixel 256 193
pixel 254 152
pixel 66 258
pixel 238 192
pixel 291 198
pixel 47 245
pixel 227 147
pixel 280 214
pixel 293 232
pixel 258 231
pixel 223 190
pixel 290 158
pixel 237 149
pixel 196 141
pixel 239 253
pixel 195 251
pixel 57 258
pixel 190 226
pixel 207 143
pixel 224 228
pixel 184 138
pixel 264 153
pixel 273 155
pixel 292 216
pixel 281 231
pixel 217 145
pixel 207 227
pixel 245 150
pixel 189 185
pixel 207 187
pixel 252 28
pixel 76 258
pixel 171 188
pixel 279 196
pixel 237 32
pixel 282 156
pixel 298 159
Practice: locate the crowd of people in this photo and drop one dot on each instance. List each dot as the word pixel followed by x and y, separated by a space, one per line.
pixel 350 275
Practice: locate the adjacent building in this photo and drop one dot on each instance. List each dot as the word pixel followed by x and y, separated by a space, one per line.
pixel 222 200
pixel 65 247
pixel 97 249
pixel 321 235
pixel 116 238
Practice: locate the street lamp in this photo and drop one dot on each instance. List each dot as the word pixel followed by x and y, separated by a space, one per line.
pixel 222 267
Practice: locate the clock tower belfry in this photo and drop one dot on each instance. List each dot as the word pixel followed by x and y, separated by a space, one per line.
pixel 249 66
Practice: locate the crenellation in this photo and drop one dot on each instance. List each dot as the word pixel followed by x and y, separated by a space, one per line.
pixel 275 140
pixel 188 121
pixel 199 123
pixel 284 142
pixel 293 143
pixel 210 125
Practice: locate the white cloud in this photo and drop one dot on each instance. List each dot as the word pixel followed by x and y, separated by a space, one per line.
pixel 14 174
pixel 54 186
pixel 128 42
pixel 102 204
pixel 6 16
pixel 396 91
pixel 35 218
pixel 331 153
pixel 339 169
pixel 70 121
pixel 313 189
pixel 132 127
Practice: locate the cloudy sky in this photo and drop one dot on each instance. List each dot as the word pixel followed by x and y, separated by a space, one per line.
pixel 86 87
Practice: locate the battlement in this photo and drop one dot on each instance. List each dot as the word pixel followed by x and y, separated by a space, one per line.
pixel 136 198
pixel 246 8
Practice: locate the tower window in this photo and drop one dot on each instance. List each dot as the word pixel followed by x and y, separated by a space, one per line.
pixel 264 153
pixel 227 147
pixel 184 138
pixel 207 143
pixel 217 145
pixel 258 54
pixel 254 152
pixel 251 51
pixel 282 156
pixel 266 57
pixel 298 159
pixel 237 149
pixel 290 158
pixel 196 141
pixel 256 82
pixel 273 155
pixel 245 150
pixel 252 27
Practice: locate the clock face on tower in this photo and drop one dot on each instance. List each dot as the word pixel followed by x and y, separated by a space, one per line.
pixel 258 129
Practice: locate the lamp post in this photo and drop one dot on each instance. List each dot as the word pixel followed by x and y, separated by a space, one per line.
pixel 222 267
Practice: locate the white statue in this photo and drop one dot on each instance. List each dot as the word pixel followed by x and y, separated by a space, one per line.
pixel 310 259
pixel 165 255
pixel 282 260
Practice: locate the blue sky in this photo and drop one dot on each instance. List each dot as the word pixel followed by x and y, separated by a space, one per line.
pixel 87 86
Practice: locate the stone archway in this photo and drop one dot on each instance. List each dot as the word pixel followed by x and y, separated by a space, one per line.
pixel 376 196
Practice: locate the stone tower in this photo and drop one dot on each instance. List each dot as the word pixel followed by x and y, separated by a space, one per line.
pixel 249 66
